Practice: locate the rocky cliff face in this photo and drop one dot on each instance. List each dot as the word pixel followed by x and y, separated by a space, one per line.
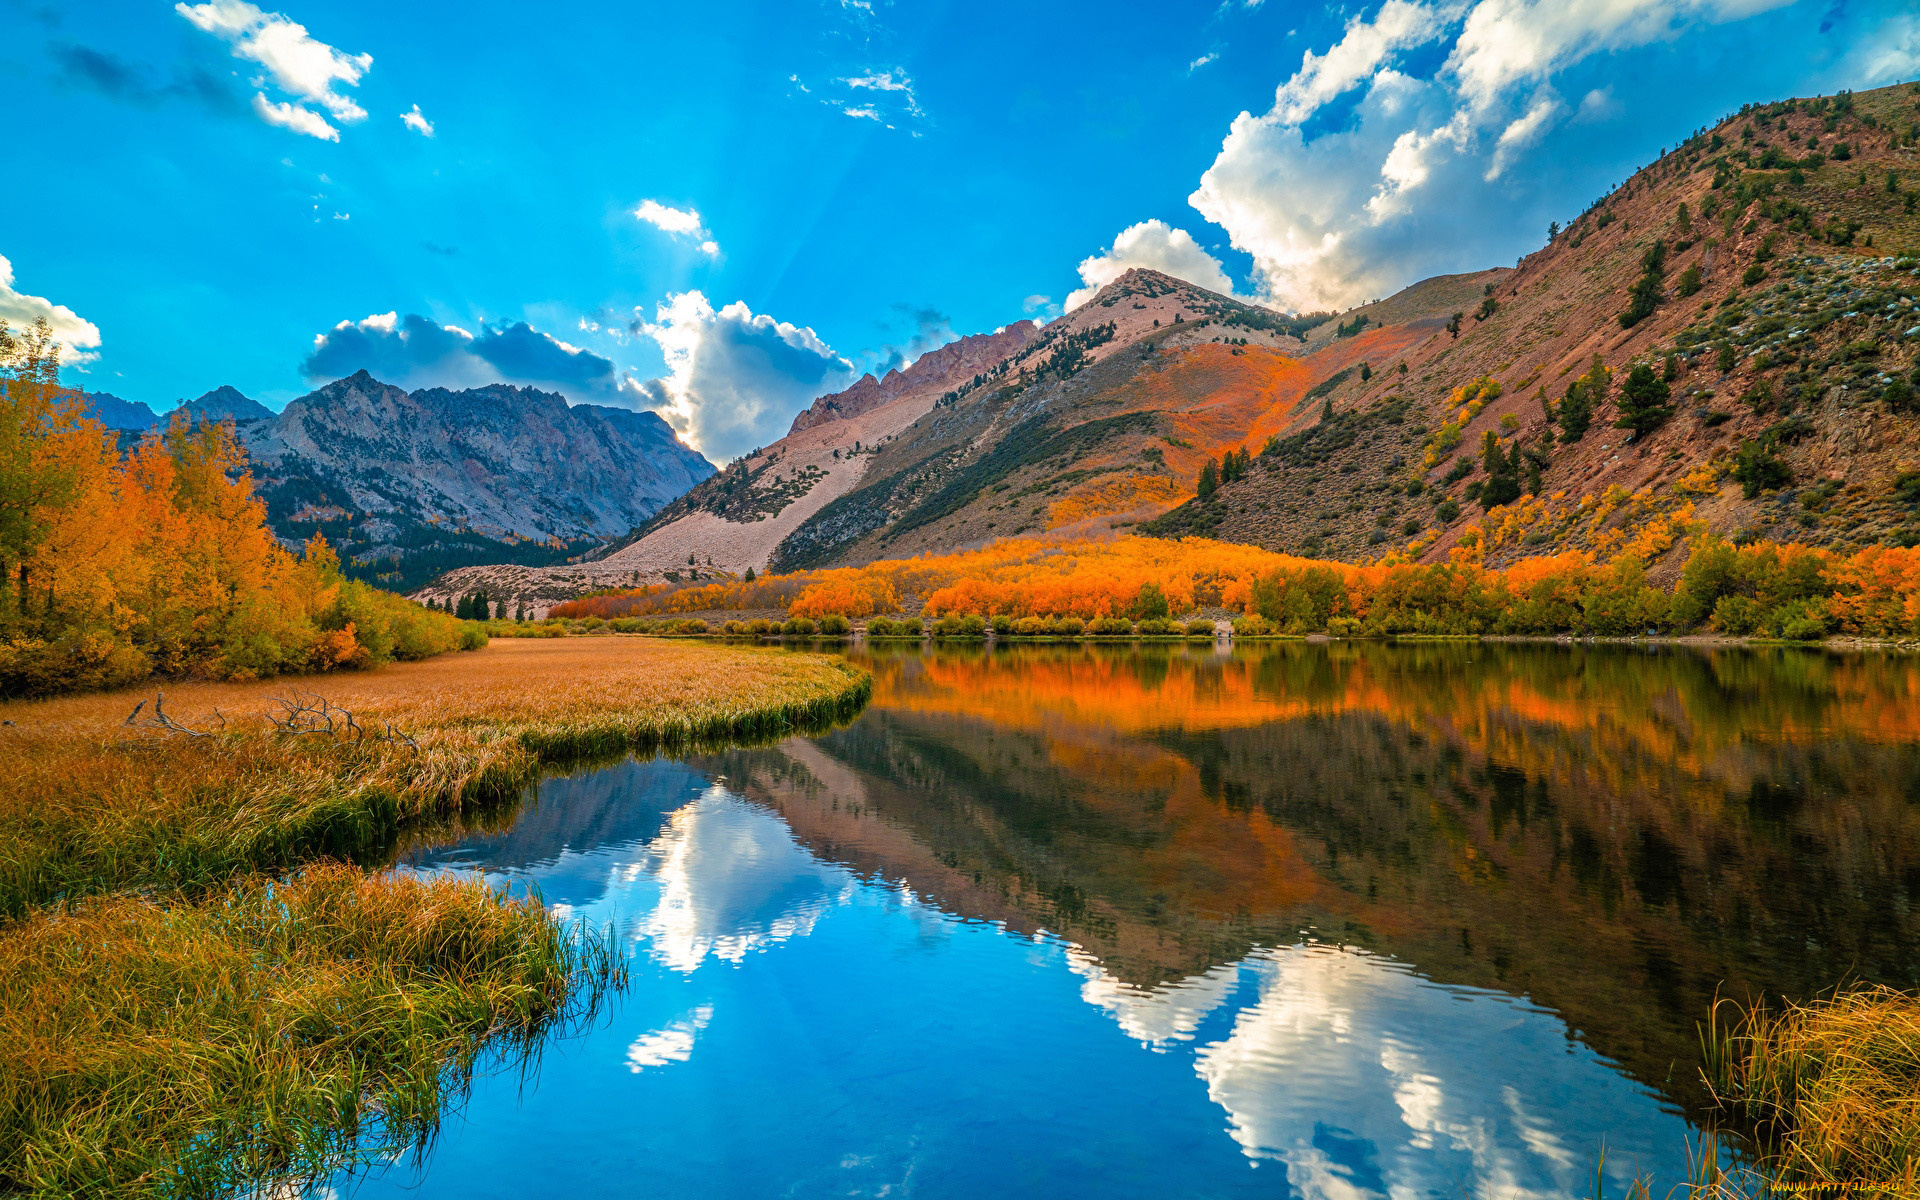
pixel 951 364
pixel 431 479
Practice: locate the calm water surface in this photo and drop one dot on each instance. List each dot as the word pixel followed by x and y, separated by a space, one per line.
pixel 1321 921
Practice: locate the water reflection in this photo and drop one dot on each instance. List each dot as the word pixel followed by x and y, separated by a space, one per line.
pixel 1317 921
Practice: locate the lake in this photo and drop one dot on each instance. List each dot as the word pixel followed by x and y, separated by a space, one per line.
pixel 1340 921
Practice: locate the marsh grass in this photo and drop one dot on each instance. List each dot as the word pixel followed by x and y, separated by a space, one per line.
pixel 191 1005
pixel 94 806
pixel 1830 1089
pixel 276 1030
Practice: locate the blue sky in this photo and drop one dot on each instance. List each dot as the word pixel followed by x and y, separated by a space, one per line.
pixel 721 210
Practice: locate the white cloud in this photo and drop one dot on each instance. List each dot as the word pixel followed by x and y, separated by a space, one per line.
pixel 1524 131
pixel 1511 41
pixel 298 64
pixel 866 112
pixel 679 223
pixel 1153 244
pixel 1892 54
pixel 414 351
pixel 417 122
pixel 1355 57
pixel 1202 61
pixel 1406 185
pixel 296 117
pixel 77 337
pixel 895 82
pixel 1598 105
pixel 735 378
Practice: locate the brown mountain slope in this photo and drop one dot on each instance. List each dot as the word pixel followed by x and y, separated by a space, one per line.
pixel 1791 352
pixel 1779 321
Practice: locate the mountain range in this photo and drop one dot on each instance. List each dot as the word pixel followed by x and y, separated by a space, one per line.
pixel 221 404
pixel 1727 338
pixel 407 485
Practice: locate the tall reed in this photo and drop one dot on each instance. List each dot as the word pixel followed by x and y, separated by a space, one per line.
pixel 1831 1087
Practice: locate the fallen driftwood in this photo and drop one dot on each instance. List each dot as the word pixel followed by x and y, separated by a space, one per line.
pixel 313 715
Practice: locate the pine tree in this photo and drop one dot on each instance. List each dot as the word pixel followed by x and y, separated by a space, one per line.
pixel 1503 472
pixel 1209 480
pixel 1644 401
pixel 749 575
pixel 1585 395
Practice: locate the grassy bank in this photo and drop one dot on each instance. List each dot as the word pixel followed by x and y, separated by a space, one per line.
pixel 178 1013
pixel 1830 1090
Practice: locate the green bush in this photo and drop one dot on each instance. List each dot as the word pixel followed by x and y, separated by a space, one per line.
pixel 835 625
pixel 1151 602
pixel 1111 627
pixel 1200 627
pixel 879 627
pixel 760 627
pixel 1154 627
pixel 693 625
pixel 1029 627
pixel 1799 621
pixel 798 627
pixel 1736 616
pixel 1002 627
pixel 1251 625
pixel 1068 626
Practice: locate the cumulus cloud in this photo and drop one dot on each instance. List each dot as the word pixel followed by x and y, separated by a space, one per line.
pixel 77 337
pixel 417 121
pixel 415 351
pixel 1355 57
pixel 1154 244
pixel 296 117
pixel 300 66
pixel 735 378
pixel 1409 181
pixel 1513 41
pixel 679 223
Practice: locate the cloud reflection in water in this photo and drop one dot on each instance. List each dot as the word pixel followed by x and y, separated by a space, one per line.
pixel 1366 1079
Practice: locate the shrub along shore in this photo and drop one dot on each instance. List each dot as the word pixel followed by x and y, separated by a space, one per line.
pixel 195 995
pixel 1144 586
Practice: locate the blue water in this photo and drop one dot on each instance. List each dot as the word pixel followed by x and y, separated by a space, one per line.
pixel 834 994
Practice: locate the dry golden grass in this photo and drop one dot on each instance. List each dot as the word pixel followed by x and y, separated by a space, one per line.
pixel 178 1017
pixel 95 805
pixel 1832 1088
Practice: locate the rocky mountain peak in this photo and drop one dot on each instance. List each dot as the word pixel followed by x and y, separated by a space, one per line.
pixel 935 371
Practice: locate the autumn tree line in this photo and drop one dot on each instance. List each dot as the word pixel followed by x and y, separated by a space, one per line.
pixel 1739 589
pixel 117 567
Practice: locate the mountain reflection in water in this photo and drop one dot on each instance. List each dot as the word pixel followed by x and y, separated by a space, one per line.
pixel 1405 920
